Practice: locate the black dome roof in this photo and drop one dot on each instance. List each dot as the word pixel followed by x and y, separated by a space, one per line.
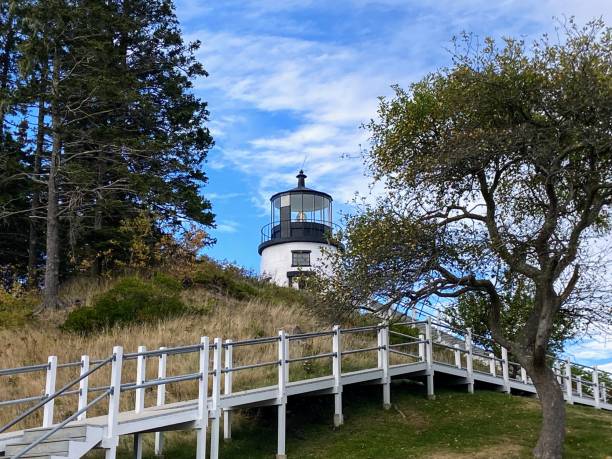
pixel 301 188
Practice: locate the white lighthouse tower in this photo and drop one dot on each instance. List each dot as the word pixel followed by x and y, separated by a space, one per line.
pixel 300 227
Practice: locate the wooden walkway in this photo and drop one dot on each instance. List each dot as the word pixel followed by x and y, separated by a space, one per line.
pixel 78 434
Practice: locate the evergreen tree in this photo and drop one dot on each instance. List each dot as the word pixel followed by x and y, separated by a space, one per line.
pixel 115 132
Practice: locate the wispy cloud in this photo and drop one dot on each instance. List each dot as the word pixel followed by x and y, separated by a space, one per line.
pixel 227 226
pixel 595 349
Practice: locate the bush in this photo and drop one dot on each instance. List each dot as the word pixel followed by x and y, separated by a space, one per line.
pixel 224 281
pixel 132 300
pixel 15 310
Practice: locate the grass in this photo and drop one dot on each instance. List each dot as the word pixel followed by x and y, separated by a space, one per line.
pixel 455 425
pixel 228 304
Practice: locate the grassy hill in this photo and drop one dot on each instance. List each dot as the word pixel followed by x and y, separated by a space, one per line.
pixel 455 425
pixel 223 301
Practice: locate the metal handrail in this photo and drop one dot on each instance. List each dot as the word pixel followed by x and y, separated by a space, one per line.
pixel 247 342
pixel 26 369
pixel 301 336
pixel 414 322
pixel 361 329
pixel 449 347
pixel 403 335
pixel 160 381
pixel 365 349
pixel 268 229
pixel 447 326
pixel 53 396
pixel 253 365
pixel 168 351
pixel 423 341
pixel 21 400
pixel 312 357
pixel 61 425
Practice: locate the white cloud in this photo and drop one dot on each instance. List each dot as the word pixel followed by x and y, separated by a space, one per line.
pixel 227 227
pixel 598 348
pixel 223 196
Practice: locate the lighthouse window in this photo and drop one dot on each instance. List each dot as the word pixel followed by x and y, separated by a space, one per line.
pixel 300 258
pixel 297 211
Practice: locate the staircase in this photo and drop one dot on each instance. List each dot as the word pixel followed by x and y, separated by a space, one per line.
pixel 72 441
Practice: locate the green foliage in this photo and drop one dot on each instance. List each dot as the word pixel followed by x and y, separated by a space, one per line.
pixel 225 282
pixel 132 300
pixel 472 311
pixel 231 280
pixel 15 310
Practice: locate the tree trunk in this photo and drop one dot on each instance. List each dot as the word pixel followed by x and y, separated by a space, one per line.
pixel 51 291
pixel 4 72
pixel 552 432
pixel 40 141
pixel 96 267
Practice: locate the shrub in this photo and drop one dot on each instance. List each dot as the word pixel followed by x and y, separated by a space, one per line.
pixel 15 310
pixel 132 300
pixel 225 282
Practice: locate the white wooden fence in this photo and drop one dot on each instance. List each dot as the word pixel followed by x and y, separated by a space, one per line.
pixel 407 356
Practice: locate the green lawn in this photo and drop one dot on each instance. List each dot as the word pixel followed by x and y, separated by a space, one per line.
pixel 455 425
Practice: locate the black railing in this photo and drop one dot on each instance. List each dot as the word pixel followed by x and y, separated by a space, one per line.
pixel 320 230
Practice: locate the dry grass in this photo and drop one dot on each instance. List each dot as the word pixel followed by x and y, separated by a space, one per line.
pixel 224 317
pixel 227 319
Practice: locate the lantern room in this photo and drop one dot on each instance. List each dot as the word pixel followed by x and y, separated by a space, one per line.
pixel 300 226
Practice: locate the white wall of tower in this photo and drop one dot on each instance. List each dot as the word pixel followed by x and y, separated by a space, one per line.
pixel 276 259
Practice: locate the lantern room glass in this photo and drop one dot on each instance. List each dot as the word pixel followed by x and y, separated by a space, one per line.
pixel 301 207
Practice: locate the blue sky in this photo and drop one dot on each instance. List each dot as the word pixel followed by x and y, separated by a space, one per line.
pixel 292 81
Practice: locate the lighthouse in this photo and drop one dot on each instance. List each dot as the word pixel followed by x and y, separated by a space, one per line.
pixel 294 243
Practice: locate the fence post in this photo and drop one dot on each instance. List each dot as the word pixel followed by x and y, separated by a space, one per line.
pixel 469 360
pixel 557 371
pixel 579 386
pixel 604 393
pixel 83 387
pixel 337 370
pixel 422 347
pixel 112 439
pixel 161 399
pixel 429 358
pixel 457 356
pixel 202 422
pixel 568 382
pixel 227 390
pixel 141 376
pixel 596 388
pixel 49 390
pixel 379 344
pixel 216 398
pixel 283 373
pixel 492 363
pixel 523 375
pixel 505 370
pixel 383 333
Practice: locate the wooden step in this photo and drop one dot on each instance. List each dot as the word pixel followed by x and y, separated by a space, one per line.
pixel 78 432
pixel 55 448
